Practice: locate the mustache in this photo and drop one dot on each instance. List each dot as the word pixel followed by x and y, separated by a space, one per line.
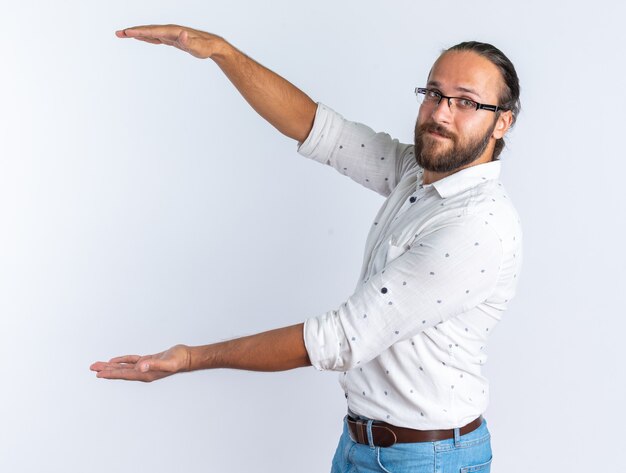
pixel 434 127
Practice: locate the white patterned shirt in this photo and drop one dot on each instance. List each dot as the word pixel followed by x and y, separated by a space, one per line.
pixel 441 264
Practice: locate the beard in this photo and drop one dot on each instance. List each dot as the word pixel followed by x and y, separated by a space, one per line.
pixel 434 155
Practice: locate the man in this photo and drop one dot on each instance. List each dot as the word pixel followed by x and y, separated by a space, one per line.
pixel 441 262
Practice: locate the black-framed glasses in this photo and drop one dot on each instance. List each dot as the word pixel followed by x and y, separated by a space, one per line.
pixel 462 104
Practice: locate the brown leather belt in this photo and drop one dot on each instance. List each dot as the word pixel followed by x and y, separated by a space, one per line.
pixel 385 435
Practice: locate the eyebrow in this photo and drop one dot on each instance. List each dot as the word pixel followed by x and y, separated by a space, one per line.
pixel 434 83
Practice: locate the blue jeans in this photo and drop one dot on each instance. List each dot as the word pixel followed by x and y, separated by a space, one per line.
pixel 470 453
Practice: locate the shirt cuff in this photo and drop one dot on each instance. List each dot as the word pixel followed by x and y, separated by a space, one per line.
pixel 321 345
pixel 323 135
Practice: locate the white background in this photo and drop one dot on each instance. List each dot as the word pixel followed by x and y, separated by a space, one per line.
pixel 144 204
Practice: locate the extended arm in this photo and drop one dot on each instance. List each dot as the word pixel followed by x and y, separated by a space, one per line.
pixel 276 350
pixel 281 103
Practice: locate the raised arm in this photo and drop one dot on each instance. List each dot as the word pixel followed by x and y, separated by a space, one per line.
pixel 281 103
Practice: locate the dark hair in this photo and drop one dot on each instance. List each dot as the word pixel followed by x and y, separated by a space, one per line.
pixel 509 96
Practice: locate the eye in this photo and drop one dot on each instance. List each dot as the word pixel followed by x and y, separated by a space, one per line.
pixel 466 104
pixel 432 95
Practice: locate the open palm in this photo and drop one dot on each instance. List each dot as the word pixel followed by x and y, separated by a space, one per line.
pixel 197 43
pixel 144 368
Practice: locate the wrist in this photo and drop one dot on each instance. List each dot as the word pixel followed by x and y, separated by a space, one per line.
pixel 222 51
pixel 199 358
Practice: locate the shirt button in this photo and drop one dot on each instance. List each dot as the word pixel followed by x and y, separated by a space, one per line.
pixel 384 290
pixel 412 199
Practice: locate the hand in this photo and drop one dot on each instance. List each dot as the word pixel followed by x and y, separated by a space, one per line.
pixel 197 43
pixel 145 368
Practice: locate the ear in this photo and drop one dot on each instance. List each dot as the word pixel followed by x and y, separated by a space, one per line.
pixel 503 124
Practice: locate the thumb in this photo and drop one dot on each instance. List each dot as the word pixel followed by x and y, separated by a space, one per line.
pixel 192 44
pixel 156 364
pixel 183 40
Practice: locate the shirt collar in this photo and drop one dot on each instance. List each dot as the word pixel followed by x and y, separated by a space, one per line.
pixel 466 178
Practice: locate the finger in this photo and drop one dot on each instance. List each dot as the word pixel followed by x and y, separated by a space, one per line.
pixel 103 366
pixel 99 366
pixel 161 40
pixel 162 32
pixel 125 359
pixel 122 34
pixel 127 374
pixel 150 40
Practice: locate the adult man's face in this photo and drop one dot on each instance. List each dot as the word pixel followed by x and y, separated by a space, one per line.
pixel 447 139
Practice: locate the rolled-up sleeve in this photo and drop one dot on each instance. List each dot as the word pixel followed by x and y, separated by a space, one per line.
pixel 374 160
pixel 441 275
